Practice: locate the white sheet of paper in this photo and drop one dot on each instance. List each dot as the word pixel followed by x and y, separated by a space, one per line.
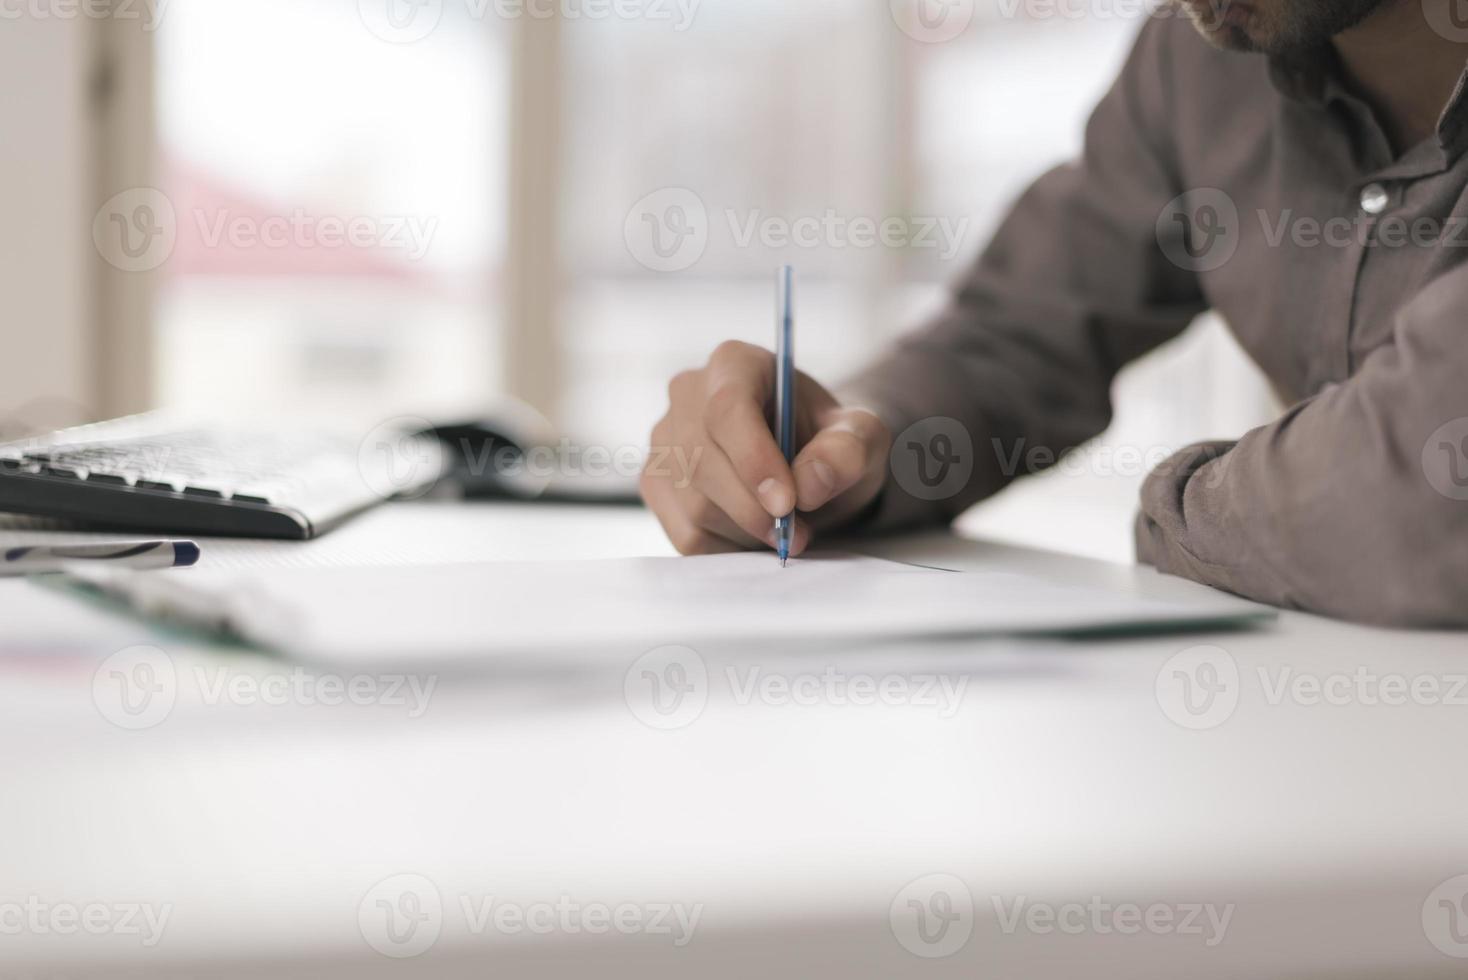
pixel 453 612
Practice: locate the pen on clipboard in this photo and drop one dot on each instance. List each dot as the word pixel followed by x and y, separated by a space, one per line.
pixel 785 392
pixel 34 559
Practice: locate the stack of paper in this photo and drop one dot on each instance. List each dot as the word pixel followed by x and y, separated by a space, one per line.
pixel 431 613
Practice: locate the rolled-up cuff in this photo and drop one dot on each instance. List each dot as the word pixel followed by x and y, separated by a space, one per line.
pixel 1172 539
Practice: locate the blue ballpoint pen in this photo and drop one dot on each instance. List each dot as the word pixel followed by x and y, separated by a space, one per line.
pixel 36 559
pixel 785 392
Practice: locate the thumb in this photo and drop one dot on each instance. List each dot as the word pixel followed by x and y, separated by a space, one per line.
pixel 848 450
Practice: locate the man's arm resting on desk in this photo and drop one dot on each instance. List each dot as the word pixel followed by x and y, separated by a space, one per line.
pixel 1354 503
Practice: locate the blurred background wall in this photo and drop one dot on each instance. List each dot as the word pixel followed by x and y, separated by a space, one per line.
pixel 46 256
pixel 361 208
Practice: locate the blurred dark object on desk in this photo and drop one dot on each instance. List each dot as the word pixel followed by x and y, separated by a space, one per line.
pixel 514 453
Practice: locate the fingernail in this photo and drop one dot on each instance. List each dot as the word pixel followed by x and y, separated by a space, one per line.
pixel 774 497
pixel 815 481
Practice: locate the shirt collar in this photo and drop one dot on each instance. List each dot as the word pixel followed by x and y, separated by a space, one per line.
pixel 1314 78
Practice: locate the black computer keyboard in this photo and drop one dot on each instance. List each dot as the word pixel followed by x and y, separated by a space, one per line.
pixel 146 473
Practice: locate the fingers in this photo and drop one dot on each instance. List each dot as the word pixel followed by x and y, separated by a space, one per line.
pixel 728 498
pixel 664 500
pixel 697 525
pixel 736 424
pixel 739 383
pixel 848 453
pixel 739 480
pixel 720 502
pixel 706 510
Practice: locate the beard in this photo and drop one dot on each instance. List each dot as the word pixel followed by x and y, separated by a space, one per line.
pixel 1276 27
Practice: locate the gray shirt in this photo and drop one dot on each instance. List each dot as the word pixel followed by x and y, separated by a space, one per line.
pixel 1269 193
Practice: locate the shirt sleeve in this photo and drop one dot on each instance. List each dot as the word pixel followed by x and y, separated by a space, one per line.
pixel 1354 503
pixel 1074 284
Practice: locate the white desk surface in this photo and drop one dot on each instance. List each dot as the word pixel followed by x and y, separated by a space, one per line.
pixel 1057 777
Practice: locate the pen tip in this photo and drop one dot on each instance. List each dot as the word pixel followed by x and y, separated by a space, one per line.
pixel 782 562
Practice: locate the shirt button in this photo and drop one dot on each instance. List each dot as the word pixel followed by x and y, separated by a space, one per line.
pixel 1374 199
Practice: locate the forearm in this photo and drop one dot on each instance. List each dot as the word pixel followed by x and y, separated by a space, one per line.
pixel 1075 284
pixel 971 404
pixel 1349 504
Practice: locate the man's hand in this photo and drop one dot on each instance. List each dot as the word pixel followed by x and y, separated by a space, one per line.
pixel 737 481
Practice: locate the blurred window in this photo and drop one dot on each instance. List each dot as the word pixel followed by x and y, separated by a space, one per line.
pixel 339 203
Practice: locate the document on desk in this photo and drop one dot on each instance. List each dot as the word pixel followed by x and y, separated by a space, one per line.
pixel 452 612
